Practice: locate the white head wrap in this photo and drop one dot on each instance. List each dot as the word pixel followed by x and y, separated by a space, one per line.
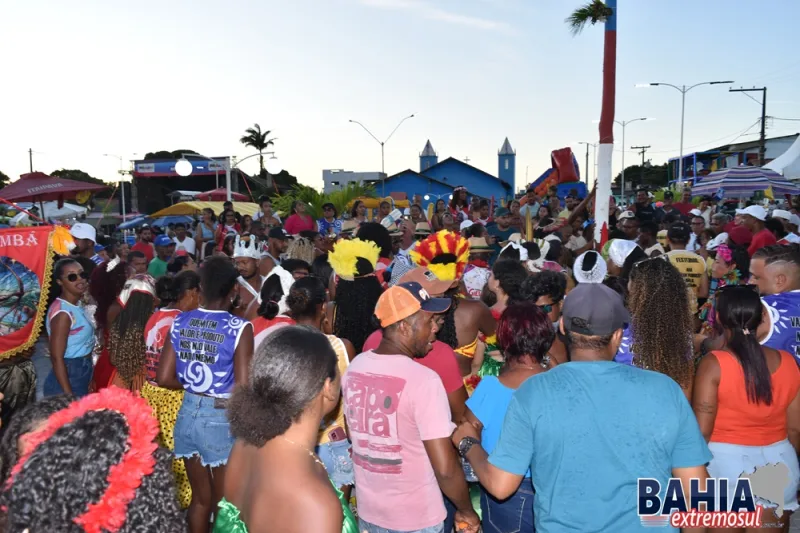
pixel 619 250
pixel 537 265
pixel 523 252
pixel 140 283
pixel 287 280
pixel 596 275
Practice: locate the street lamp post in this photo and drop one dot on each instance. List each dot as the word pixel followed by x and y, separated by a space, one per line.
pixel 382 143
pixel 588 144
pixel 683 90
pixel 121 172
pixel 184 167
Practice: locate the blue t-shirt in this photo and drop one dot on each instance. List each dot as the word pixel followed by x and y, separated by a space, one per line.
pixel 80 341
pixel 205 342
pixel 784 324
pixel 587 431
pixel 489 403
pixel 324 226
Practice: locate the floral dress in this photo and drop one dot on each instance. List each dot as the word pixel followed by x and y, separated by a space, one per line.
pixel 707 311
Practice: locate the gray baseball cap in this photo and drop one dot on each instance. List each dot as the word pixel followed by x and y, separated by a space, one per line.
pixel 594 309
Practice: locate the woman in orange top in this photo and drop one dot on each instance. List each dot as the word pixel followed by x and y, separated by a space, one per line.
pixel 747 403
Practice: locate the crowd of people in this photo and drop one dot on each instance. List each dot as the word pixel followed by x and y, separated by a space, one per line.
pixel 402 375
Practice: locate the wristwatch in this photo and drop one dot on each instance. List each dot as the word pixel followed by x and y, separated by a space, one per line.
pixel 466 444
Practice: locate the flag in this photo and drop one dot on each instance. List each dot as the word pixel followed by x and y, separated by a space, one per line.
pixel 26 262
pixel 769 193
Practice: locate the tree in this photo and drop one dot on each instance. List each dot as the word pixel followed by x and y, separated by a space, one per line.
pixel 167 154
pixel 282 203
pixel 592 13
pixel 257 139
pixel 653 176
pixel 4 180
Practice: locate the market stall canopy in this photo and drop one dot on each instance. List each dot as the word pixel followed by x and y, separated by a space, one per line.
pixel 744 182
pixel 220 195
pixel 196 208
pixel 786 163
pixel 51 211
pixel 39 187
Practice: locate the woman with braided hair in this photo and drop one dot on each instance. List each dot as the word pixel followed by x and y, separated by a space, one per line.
pixel 661 328
pixel 446 254
pixel 126 342
pixel 103 468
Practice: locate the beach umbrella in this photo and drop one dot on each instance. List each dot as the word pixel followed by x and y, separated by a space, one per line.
pixel 743 182
pixel 220 195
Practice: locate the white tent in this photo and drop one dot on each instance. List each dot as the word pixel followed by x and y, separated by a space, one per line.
pixel 51 212
pixel 788 163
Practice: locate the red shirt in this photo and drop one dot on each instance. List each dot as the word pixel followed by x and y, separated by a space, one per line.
pixel 295 224
pixel 761 239
pixel 146 248
pixel 441 359
pixel 684 207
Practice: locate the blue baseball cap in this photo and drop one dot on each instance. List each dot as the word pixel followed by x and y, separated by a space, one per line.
pixel 163 240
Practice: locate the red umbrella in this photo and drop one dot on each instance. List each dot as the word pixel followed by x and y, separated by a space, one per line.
pixel 39 187
pixel 220 195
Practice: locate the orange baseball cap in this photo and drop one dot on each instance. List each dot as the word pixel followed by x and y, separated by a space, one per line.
pixel 405 299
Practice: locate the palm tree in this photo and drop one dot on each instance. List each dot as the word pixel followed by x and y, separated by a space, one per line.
pixel 592 13
pixel 314 199
pixel 257 139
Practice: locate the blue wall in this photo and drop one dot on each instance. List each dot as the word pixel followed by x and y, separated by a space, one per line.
pixel 454 173
pixel 412 183
pixel 426 162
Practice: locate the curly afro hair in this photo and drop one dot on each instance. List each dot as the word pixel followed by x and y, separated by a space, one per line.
pixel 544 283
pixel 69 471
pixel 24 421
pixel 288 370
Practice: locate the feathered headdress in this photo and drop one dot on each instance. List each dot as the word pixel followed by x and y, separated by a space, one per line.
pixel 344 259
pixel 444 253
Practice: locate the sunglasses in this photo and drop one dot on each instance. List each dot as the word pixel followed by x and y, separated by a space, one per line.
pixel 72 277
pixel 546 308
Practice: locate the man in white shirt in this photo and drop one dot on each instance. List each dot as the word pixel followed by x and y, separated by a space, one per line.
pixel 183 241
pixel 786 219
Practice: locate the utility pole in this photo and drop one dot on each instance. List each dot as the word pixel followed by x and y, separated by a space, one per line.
pixel 588 144
pixel 30 158
pixel 642 151
pixel 762 150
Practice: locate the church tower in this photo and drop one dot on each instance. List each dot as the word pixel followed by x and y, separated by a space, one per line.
pixel 506 163
pixel 427 158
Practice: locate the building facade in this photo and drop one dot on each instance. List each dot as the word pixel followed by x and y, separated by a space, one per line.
pixel 337 179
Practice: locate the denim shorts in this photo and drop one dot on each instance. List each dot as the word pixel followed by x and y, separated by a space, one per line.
pixel 733 461
pixel 338 462
pixel 202 430
pixel 79 372
pixel 366 527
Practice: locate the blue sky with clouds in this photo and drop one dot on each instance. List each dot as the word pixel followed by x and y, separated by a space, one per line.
pixel 88 77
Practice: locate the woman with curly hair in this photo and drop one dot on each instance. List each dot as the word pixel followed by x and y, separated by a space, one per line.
pixel 357 290
pixel 547 290
pixel 661 325
pixel 358 212
pixel 126 345
pixel 459 206
pixel 103 468
pixel 524 333
pixel 105 285
pixel 26 421
pixel 177 295
pixel 276 419
pixel 207 352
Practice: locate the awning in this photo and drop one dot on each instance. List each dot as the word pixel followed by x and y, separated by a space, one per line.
pixel 197 206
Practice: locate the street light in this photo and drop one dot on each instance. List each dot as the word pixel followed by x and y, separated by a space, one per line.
pixel 594 147
pixel 184 167
pixel 683 90
pixel 437 196
pixel 624 123
pixel 122 181
pixel 383 170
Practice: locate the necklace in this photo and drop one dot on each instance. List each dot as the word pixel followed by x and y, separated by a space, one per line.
pixel 312 454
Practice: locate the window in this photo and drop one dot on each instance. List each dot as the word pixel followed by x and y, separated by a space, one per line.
pixel 506 164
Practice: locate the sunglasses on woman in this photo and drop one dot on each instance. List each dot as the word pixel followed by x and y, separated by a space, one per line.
pixel 72 277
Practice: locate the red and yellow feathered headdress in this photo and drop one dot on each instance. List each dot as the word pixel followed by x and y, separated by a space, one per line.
pixel 444 253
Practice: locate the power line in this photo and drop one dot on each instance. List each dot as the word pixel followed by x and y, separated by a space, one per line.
pixel 789 119
pixel 704 143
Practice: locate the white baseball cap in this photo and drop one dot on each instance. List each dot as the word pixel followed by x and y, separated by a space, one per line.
pixel 81 230
pixel 696 213
pixel 466 224
pixel 626 214
pixel 755 211
pixel 782 213
pixel 795 220
pixel 714 243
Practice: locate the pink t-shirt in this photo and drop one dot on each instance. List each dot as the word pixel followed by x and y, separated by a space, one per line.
pixel 392 405
pixel 441 359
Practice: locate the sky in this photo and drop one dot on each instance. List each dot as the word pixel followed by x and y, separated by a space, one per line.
pixel 88 77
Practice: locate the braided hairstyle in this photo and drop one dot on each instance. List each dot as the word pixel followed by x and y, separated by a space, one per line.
pixel 661 320
pixel 355 306
pixel 126 344
pixel 447 332
pixel 288 371
pixel 69 471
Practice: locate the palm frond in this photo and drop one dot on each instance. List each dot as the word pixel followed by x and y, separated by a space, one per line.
pixel 282 203
pixel 591 13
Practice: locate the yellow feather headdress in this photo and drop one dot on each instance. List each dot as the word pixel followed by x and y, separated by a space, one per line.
pixel 451 249
pixel 344 257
